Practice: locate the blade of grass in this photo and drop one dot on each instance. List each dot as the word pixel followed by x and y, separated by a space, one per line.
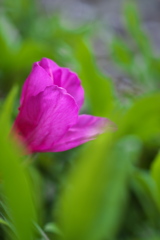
pixel 16 185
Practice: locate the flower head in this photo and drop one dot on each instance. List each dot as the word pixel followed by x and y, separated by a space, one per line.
pixel 48 118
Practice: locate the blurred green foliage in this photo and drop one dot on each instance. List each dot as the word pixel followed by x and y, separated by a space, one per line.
pixel 105 189
pixel 136 56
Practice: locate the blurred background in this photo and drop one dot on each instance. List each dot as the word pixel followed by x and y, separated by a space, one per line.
pixel 109 188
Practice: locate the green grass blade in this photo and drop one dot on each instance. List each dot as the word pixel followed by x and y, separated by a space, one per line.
pixel 93 200
pixel 98 87
pixel 16 185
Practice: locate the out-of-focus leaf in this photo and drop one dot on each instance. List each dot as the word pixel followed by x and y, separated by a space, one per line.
pixel 146 191
pixel 8 37
pixel 155 65
pixel 16 185
pixel 52 228
pixel 97 86
pixel 21 12
pixel 29 52
pixel 155 172
pixel 143 118
pixel 92 202
pixel 9 32
pixel 3 222
pixel 122 54
pixel 41 232
pixel 133 24
pixel 6 113
pixel 143 68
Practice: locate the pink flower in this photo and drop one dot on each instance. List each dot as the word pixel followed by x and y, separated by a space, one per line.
pixel 48 119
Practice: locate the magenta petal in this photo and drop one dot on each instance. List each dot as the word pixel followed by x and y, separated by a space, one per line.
pixel 49 66
pixel 64 78
pixel 36 82
pixel 86 129
pixel 46 117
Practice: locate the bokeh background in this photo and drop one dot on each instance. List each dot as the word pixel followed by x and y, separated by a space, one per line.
pixel 106 189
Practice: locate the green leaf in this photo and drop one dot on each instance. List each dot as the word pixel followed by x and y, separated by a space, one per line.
pixel 93 200
pixel 143 118
pixel 15 181
pixel 41 232
pixel 142 66
pixel 98 87
pixel 52 228
pixel 155 173
pixel 3 222
pixel 133 24
pixel 9 33
pixel 122 54
pixel 145 188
